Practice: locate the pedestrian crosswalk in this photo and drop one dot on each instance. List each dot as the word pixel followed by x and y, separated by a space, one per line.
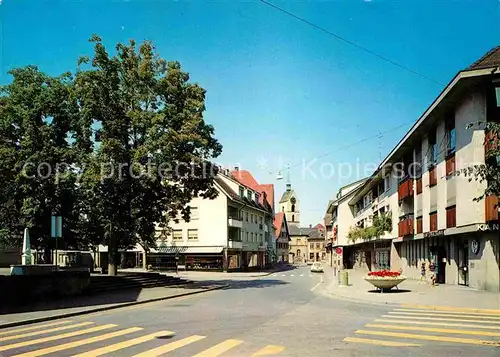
pixel 414 327
pixel 309 275
pixel 88 339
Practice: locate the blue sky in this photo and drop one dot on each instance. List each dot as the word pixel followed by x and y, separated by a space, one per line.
pixel 278 90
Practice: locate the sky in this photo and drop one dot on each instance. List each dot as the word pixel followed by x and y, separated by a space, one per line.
pixel 279 91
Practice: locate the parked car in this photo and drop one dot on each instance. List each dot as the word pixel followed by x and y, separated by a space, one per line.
pixel 317 268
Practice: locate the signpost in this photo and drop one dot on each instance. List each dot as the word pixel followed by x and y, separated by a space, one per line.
pixel 56 231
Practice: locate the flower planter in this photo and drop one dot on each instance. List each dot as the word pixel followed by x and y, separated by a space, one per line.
pixel 385 279
pixel 385 283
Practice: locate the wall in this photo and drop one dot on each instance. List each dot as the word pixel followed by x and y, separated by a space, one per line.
pixel 212 223
pixel 484 273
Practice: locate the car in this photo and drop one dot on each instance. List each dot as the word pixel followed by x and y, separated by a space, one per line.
pixel 316 268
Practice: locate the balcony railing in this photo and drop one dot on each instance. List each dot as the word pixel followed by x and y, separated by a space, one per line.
pixel 235 222
pixel 405 189
pixel 405 227
pixel 491 208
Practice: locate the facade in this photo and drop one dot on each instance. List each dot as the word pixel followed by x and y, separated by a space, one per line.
pixel 228 232
pixel 316 247
pixel 282 237
pixel 436 223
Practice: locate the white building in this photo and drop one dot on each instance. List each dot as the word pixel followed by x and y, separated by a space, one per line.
pixel 436 223
pixel 229 232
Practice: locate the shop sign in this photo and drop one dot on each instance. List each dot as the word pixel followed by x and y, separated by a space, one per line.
pixel 489 227
pixel 438 233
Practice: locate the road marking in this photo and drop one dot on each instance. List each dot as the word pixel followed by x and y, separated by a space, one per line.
pixel 36 327
pixel 56 337
pixel 438 319
pixel 283 275
pixel 124 344
pixel 449 308
pixel 67 346
pixel 40 332
pixel 158 351
pixel 380 342
pixel 292 275
pixel 433 329
pixel 478 314
pixel 437 324
pixel 301 274
pixel 318 284
pixel 431 338
pixel 219 349
pixel 269 350
pixel 443 315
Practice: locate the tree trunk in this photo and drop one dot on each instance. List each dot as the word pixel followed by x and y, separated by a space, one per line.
pixel 112 255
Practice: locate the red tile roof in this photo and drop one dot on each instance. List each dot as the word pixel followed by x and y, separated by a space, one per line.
pixel 320 227
pixel 278 222
pixel 267 190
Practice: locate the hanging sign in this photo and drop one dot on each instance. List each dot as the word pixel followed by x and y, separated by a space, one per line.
pixel 56 227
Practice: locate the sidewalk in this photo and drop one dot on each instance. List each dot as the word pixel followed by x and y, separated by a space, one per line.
pixel 87 304
pixel 413 293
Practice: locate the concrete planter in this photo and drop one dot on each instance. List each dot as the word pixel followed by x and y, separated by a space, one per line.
pixel 385 283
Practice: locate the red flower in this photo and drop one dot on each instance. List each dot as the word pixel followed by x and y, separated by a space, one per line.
pixel 384 273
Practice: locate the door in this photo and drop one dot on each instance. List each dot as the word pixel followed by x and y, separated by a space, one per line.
pixel 441 261
pixel 463 264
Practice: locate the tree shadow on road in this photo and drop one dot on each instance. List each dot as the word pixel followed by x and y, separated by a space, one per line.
pixel 392 291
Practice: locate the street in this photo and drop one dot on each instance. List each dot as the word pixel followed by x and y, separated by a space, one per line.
pixel 283 314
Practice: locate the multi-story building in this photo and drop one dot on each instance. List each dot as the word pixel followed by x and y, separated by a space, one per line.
pixel 282 237
pixel 338 219
pixel 437 221
pixel 229 232
pixel 316 247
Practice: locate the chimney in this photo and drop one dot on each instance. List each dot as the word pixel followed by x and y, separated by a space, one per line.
pixel 236 168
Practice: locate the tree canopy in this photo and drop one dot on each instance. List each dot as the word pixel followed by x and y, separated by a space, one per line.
pixel 115 148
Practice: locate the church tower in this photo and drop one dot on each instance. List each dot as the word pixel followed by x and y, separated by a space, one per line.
pixel 289 204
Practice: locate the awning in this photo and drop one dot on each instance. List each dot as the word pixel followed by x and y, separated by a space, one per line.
pixel 188 250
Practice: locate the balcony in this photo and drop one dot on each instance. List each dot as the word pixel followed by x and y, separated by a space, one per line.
pixel 450 165
pixel 405 227
pixel 405 189
pixel 491 208
pixel 419 186
pixel 235 244
pixel 235 222
pixel 433 176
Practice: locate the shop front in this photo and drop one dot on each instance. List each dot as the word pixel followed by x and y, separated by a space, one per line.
pixel 189 258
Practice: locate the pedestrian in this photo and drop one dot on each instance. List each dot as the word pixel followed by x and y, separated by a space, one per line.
pixel 422 272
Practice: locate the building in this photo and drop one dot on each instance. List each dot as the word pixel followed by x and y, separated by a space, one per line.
pixel 338 219
pixel 290 206
pixel 436 222
pixel 316 247
pixel 228 232
pixel 282 237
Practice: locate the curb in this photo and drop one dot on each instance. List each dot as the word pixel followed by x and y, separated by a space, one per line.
pixel 100 309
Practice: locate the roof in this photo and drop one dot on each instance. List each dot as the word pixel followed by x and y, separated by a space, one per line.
pixel 490 59
pixel 320 227
pixel 279 219
pixel 310 232
pixel 328 219
pixel 246 178
pixel 471 76
pixel 287 195
pixel 235 197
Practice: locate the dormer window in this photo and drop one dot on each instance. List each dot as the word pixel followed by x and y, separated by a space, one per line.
pixel 242 192
pixel 249 195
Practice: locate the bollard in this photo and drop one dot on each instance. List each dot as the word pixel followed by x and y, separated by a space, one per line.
pixel 345 278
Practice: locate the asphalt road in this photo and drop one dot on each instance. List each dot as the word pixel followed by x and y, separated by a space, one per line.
pixel 285 314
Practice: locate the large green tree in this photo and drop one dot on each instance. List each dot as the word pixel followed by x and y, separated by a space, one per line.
pixel 37 155
pixel 155 148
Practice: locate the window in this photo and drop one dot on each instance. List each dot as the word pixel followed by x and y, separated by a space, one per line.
pixel 177 234
pixel 317 246
pixel 194 213
pixel 249 194
pixel 311 256
pixel 192 234
pixel 260 236
pixel 432 152
pixel 293 218
pixel 242 192
pixel 247 237
pixel 246 216
pixel 260 220
pixel 311 246
pixel 293 208
pixel 251 218
pixel 451 136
